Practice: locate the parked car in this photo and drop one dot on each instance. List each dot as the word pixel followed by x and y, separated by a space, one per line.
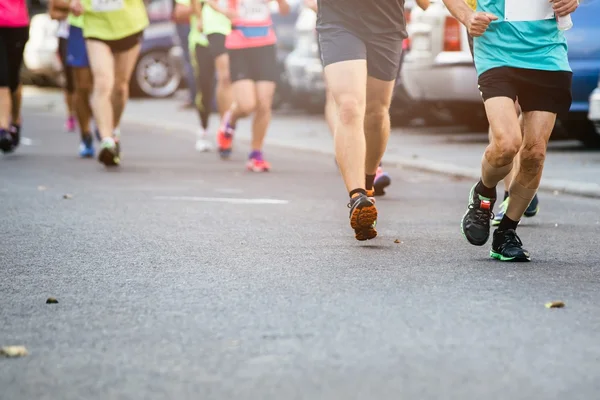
pixel 153 76
pixel 594 114
pixel 439 68
pixel 305 71
pixel 284 29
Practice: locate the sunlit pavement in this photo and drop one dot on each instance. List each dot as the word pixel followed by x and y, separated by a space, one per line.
pixel 181 276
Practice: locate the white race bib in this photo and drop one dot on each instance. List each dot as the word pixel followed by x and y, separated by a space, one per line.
pixel 254 10
pixel 107 5
pixel 527 10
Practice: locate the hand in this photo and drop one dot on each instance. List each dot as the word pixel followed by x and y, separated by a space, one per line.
pixel 231 14
pixel 284 7
pixel 564 7
pixel 312 4
pixel 76 8
pixel 479 22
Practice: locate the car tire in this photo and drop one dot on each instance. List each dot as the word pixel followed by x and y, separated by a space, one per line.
pixel 155 75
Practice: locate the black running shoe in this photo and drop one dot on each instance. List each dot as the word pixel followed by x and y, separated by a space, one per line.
pixel 6 141
pixel 15 132
pixel 363 217
pixel 109 153
pixel 475 225
pixel 533 208
pixel 506 246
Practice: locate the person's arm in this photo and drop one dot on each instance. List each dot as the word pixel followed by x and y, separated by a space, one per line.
pixel 214 4
pixel 284 7
pixel 197 11
pixel 475 22
pixel 312 4
pixel 424 4
pixel 58 9
pixel 76 7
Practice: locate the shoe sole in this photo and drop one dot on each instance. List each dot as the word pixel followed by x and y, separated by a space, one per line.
pixel 6 145
pixel 108 158
pixel 225 153
pixel 363 222
pixel 462 223
pixel 381 184
pixel 500 257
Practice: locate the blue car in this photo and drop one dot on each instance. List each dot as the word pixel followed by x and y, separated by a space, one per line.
pixel 584 57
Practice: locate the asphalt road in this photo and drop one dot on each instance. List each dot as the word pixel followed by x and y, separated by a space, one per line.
pixel 168 289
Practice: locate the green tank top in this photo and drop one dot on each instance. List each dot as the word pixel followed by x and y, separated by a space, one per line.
pixel 114 19
pixel 215 22
pixel 75 21
pixel 195 38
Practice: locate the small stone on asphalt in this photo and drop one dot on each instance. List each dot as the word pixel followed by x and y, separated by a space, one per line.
pixel 555 304
pixel 67 196
pixel 13 351
pixel 397 241
pixel 51 300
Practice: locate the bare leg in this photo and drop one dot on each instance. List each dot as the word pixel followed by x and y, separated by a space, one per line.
pixel 377 121
pixel 83 89
pixel 102 65
pixel 347 82
pixel 15 112
pixel 244 95
pixel 124 65
pixel 262 117
pixel 224 87
pixel 330 112
pixel 5 107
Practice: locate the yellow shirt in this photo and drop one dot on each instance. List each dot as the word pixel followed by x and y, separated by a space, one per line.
pixel 472 4
pixel 113 19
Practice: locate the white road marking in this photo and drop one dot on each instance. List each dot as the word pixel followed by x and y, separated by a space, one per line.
pixel 229 200
pixel 26 141
pixel 229 191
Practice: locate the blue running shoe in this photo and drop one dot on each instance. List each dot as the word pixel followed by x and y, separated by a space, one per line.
pixel 500 214
pixel 86 147
pixel 534 207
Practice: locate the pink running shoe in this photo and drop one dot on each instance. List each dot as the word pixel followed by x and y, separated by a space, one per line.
pixel 71 125
pixel 256 163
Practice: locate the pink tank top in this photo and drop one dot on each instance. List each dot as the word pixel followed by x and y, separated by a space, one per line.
pixel 13 13
pixel 253 27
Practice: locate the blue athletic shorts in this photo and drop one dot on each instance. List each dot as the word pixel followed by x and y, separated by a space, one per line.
pixel 76 52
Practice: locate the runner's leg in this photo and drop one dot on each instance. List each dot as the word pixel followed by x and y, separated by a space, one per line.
pixel 123 68
pixel 262 117
pixel 377 125
pixel 83 87
pixel 330 112
pixel 221 62
pixel 102 64
pixel 205 78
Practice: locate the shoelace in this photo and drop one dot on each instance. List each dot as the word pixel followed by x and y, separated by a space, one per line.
pixel 481 215
pixel 511 238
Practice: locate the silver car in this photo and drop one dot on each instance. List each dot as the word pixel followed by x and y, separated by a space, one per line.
pixel 594 113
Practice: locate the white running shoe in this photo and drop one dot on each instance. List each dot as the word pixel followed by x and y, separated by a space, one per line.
pixel 202 142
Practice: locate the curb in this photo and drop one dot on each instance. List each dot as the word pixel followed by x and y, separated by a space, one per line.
pixel 582 189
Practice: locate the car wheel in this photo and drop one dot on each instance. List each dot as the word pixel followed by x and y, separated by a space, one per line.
pixel 155 75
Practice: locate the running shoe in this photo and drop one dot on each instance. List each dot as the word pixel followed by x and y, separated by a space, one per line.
pixel 225 136
pixel 533 208
pixel 498 217
pixel 202 142
pixel 6 141
pixel 70 125
pixel 475 224
pixel 15 132
pixel 363 217
pixel 382 180
pixel 507 246
pixel 256 163
pixel 109 152
pixel 86 147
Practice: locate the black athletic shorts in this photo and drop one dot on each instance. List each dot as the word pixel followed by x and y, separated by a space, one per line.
pixel 216 44
pixel 382 51
pixel 123 44
pixel 536 90
pixel 12 45
pixel 258 64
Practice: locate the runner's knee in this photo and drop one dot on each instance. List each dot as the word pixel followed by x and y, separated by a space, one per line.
pixel 121 90
pixel 532 158
pixel 224 78
pixel 350 110
pixel 505 148
pixel 246 107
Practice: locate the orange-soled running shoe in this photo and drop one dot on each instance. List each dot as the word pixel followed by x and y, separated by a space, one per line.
pixel 363 217
pixel 225 136
pixel 256 163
